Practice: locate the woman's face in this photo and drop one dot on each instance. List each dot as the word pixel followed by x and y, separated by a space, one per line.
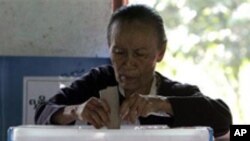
pixel 134 53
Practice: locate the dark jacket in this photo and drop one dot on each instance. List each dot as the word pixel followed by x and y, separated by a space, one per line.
pixel 190 106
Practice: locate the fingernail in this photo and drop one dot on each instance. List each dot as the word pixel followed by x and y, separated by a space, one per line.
pixel 123 115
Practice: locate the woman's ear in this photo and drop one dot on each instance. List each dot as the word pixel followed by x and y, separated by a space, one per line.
pixel 161 51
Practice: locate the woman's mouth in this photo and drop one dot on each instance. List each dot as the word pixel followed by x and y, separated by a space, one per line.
pixel 125 78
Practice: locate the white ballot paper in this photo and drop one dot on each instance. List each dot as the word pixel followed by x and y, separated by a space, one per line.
pixel 111 96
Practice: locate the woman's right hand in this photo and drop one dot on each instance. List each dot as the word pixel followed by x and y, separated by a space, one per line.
pixel 95 111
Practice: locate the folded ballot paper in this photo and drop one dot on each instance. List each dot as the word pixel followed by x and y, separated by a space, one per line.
pixel 125 133
pixel 111 96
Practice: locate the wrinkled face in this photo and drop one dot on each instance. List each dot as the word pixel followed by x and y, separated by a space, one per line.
pixel 134 53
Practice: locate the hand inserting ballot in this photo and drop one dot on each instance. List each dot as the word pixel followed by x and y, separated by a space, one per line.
pixel 137 105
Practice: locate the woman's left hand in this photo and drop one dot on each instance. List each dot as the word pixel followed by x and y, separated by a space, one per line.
pixel 142 105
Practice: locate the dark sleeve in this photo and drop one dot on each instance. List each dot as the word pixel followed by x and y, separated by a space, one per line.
pixel 192 108
pixel 79 91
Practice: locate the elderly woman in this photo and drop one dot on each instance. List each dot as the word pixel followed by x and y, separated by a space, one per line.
pixel 137 41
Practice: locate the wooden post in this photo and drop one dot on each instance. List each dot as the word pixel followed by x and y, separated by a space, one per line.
pixel 118 3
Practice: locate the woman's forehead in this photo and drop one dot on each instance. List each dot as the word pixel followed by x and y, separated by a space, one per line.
pixel 128 26
pixel 134 34
pixel 132 29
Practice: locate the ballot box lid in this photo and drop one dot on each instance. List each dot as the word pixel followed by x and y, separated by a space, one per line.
pixel 126 133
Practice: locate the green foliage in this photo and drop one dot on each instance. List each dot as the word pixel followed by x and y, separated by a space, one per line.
pixel 221 29
pixel 216 25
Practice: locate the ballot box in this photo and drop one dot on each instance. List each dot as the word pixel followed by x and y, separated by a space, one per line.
pixel 126 133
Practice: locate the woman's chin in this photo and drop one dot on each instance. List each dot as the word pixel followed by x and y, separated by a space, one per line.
pixel 128 86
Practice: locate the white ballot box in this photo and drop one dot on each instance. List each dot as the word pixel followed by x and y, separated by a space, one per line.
pixel 126 133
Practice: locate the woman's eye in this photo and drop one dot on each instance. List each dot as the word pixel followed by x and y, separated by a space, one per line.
pixel 118 51
pixel 140 53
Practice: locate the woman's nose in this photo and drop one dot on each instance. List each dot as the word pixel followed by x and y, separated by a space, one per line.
pixel 130 60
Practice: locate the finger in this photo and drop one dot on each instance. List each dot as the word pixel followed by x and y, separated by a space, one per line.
pixel 87 109
pixel 94 117
pixel 100 103
pixel 133 113
pixel 105 105
pixel 141 107
pixel 89 119
pixel 133 116
pixel 134 102
pixel 127 104
pixel 102 109
pixel 124 109
pixel 126 118
pixel 103 115
pixel 147 109
pixel 95 105
pixel 94 101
